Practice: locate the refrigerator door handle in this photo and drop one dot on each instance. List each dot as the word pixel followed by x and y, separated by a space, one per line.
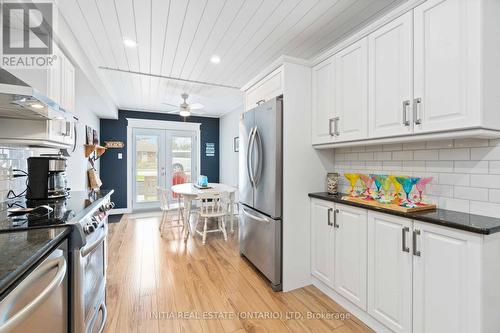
pixel 249 156
pixel 259 156
pixel 255 217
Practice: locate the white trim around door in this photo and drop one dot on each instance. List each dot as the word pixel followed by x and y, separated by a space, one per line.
pixel 155 124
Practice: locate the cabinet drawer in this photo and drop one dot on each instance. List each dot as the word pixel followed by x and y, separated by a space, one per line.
pixel 271 86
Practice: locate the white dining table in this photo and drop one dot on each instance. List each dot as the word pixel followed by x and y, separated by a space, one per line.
pixel 189 193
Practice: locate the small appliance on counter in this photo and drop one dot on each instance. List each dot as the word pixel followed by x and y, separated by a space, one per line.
pixel 47 177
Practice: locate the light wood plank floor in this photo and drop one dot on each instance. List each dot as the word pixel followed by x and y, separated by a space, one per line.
pixel 161 284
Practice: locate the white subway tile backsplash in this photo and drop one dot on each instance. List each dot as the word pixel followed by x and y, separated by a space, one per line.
pixel 358 149
pixel 382 156
pixel 402 155
pixel 454 179
pixel 466 172
pixel 459 154
pixel 486 181
pixel 484 208
pixel 471 166
pixel 439 144
pixel 471 193
pixel 486 153
pixel 439 166
pixel 426 155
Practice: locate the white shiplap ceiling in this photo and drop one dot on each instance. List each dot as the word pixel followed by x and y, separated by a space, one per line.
pixel 176 38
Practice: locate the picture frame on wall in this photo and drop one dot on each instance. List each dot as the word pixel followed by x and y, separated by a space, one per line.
pixel 95 137
pixel 89 135
pixel 236 144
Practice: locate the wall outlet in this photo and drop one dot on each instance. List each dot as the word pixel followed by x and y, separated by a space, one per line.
pixel 120 156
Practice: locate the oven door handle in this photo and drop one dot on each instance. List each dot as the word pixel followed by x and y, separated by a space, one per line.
pixel 102 308
pixel 90 248
pixel 26 311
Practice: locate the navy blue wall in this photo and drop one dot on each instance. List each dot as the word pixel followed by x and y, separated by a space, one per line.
pixel 113 171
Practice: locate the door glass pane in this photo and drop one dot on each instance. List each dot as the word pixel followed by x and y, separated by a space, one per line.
pixel 181 159
pixel 146 176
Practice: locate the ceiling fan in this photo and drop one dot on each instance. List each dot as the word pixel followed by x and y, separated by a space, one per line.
pixel 184 109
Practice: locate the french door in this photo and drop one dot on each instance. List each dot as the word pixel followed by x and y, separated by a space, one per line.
pixel 161 158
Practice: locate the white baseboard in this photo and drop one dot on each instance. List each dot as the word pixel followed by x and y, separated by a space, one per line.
pixel 353 309
pixel 120 211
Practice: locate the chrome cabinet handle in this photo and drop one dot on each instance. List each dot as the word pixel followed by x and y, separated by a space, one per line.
pixel 336 126
pixel 26 311
pixel 416 252
pixel 406 104
pixel 329 216
pixel 259 102
pixel 335 224
pixel 330 121
pixel 404 248
pixel 416 111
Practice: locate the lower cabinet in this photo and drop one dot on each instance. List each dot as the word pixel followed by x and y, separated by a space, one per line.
pixel 350 254
pixel 409 276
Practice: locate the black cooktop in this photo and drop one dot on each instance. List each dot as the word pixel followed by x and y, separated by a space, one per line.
pixel 65 210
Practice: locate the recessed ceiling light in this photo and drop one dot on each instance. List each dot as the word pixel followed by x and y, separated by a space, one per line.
pixel 129 42
pixel 37 106
pixel 215 59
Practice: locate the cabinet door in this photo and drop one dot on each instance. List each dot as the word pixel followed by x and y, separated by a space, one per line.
pixel 350 262
pixel 68 90
pixel 322 240
pixel 446 283
pixel 55 78
pixel 269 87
pixel 390 271
pixel 447 65
pixel 391 78
pixel 323 102
pixel 351 85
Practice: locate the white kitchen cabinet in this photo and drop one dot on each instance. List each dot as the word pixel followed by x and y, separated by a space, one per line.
pixel 323 102
pixel 390 271
pixel 447 65
pixel 269 87
pixel 391 78
pixel 350 245
pixel 351 92
pixel 322 240
pixel 446 276
pixel 68 86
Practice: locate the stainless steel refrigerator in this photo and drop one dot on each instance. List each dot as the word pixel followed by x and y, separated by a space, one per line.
pixel 260 183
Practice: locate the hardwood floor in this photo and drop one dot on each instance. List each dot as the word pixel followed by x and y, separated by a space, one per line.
pixel 162 284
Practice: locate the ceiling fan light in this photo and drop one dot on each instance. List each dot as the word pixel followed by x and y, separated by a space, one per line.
pixel 184 113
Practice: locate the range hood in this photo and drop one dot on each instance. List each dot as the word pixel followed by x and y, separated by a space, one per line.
pixel 20 101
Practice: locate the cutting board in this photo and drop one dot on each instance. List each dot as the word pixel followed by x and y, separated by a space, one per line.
pixel 374 203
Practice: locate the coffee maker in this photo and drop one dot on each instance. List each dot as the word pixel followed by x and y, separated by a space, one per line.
pixel 47 177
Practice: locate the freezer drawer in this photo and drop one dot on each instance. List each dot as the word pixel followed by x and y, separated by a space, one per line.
pixel 260 243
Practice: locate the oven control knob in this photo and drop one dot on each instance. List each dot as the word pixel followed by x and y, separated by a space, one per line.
pixel 88 229
pixel 95 224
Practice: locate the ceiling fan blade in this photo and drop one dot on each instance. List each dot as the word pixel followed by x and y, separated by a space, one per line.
pixel 173 111
pixel 175 106
pixel 197 113
pixel 196 106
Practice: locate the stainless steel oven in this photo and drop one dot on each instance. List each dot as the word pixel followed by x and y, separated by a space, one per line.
pixel 90 280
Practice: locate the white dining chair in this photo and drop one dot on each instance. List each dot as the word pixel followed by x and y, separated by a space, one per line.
pixel 163 195
pixel 213 205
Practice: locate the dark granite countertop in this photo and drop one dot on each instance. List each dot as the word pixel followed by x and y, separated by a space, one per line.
pixel 22 250
pixel 469 222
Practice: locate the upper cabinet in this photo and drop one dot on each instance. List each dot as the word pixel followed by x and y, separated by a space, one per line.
pixel 269 87
pixel 430 72
pixel 391 78
pixel 323 118
pixel 351 92
pixel 447 65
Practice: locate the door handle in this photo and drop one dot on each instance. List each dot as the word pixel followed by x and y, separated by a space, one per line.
pixel 404 248
pixel 27 310
pixel 416 111
pixel 416 252
pixel 406 104
pixel 330 210
pixel 260 148
pixel 335 224
pixel 336 126
pixel 249 153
